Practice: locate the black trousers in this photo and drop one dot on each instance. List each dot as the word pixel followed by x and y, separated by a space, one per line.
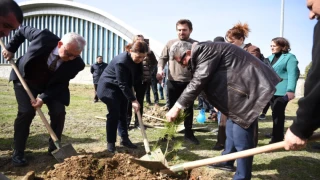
pixel 117 105
pixel 175 89
pixel 26 113
pixel 278 106
pixel 140 90
pixel 95 92
pixel 265 109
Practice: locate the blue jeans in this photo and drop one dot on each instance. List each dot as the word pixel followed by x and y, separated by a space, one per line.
pixel 160 88
pixel 239 139
pixel 153 85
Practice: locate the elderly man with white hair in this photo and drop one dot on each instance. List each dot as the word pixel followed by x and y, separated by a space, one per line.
pixel 236 83
pixel 47 67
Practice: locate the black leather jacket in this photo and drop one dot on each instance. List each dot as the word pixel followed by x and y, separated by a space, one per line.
pixel 233 81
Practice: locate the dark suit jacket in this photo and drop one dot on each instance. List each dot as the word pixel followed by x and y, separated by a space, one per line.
pixel 96 71
pixel 118 77
pixel 42 44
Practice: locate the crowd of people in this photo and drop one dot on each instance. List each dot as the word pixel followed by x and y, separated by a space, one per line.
pixel 214 72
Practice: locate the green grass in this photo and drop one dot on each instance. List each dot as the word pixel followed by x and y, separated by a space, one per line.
pixel 87 133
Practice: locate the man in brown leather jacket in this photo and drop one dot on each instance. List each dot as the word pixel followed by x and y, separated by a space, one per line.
pixel 233 81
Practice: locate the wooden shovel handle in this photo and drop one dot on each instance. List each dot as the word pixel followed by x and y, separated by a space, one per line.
pixel 25 86
pixel 143 132
pixel 233 156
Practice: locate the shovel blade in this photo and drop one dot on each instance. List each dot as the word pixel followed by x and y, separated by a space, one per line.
pixel 153 160
pixel 155 155
pixel 64 152
pixel 155 166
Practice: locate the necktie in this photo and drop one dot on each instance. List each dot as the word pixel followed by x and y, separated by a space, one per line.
pixel 53 65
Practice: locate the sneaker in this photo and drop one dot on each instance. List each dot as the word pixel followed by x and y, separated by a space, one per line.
pixel 262 116
pixel 218 147
pixel 95 100
pixel 18 159
pixel 223 167
pixel 111 147
pixel 127 143
pixel 191 138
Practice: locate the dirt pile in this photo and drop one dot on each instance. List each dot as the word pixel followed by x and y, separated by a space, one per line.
pixel 89 167
pixel 154 116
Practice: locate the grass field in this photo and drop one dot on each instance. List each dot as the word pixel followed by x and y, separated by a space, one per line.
pixel 87 133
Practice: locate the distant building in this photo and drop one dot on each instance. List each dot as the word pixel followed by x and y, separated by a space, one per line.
pixel 105 35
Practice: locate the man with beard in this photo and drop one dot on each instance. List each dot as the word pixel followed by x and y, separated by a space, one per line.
pixel 178 77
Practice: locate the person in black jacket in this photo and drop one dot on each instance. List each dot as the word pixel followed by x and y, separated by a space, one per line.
pixel 308 116
pixel 115 90
pixel 221 71
pixel 142 81
pixel 47 67
pixel 11 17
pixel 96 71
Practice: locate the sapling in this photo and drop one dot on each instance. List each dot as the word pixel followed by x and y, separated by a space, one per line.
pixel 170 132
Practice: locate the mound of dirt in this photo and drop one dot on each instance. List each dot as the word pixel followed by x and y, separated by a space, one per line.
pixel 89 167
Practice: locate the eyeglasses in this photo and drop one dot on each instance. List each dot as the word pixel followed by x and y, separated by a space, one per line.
pixel 182 57
pixel 66 52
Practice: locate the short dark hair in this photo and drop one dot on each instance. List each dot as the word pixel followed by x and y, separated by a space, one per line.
pixel 219 39
pixel 185 21
pixel 99 56
pixel 283 43
pixel 10 6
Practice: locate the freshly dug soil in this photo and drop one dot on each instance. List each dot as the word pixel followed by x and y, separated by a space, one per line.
pixel 89 167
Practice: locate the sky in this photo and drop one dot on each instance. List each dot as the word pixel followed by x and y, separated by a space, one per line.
pixel 211 18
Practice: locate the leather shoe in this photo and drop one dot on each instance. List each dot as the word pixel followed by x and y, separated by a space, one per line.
pixel 127 143
pixel 223 167
pixel 50 149
pixel 18 159
pixel 218 147
pixel 111 147
pixel 269 135
pixel 316 146
pixel 191 138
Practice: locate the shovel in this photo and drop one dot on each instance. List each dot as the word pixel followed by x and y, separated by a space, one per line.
pixel 160 167
pixel 155 156
pixel 61 152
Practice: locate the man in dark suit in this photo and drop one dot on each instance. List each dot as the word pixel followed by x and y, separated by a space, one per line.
pixel 96 71
pixel 47 68
pixel 11 17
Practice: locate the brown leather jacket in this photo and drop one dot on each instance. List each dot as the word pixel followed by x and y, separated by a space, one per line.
pixel 234 81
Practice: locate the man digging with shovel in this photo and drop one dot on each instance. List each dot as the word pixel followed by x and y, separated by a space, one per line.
pixel 47 67
pixel 233 81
